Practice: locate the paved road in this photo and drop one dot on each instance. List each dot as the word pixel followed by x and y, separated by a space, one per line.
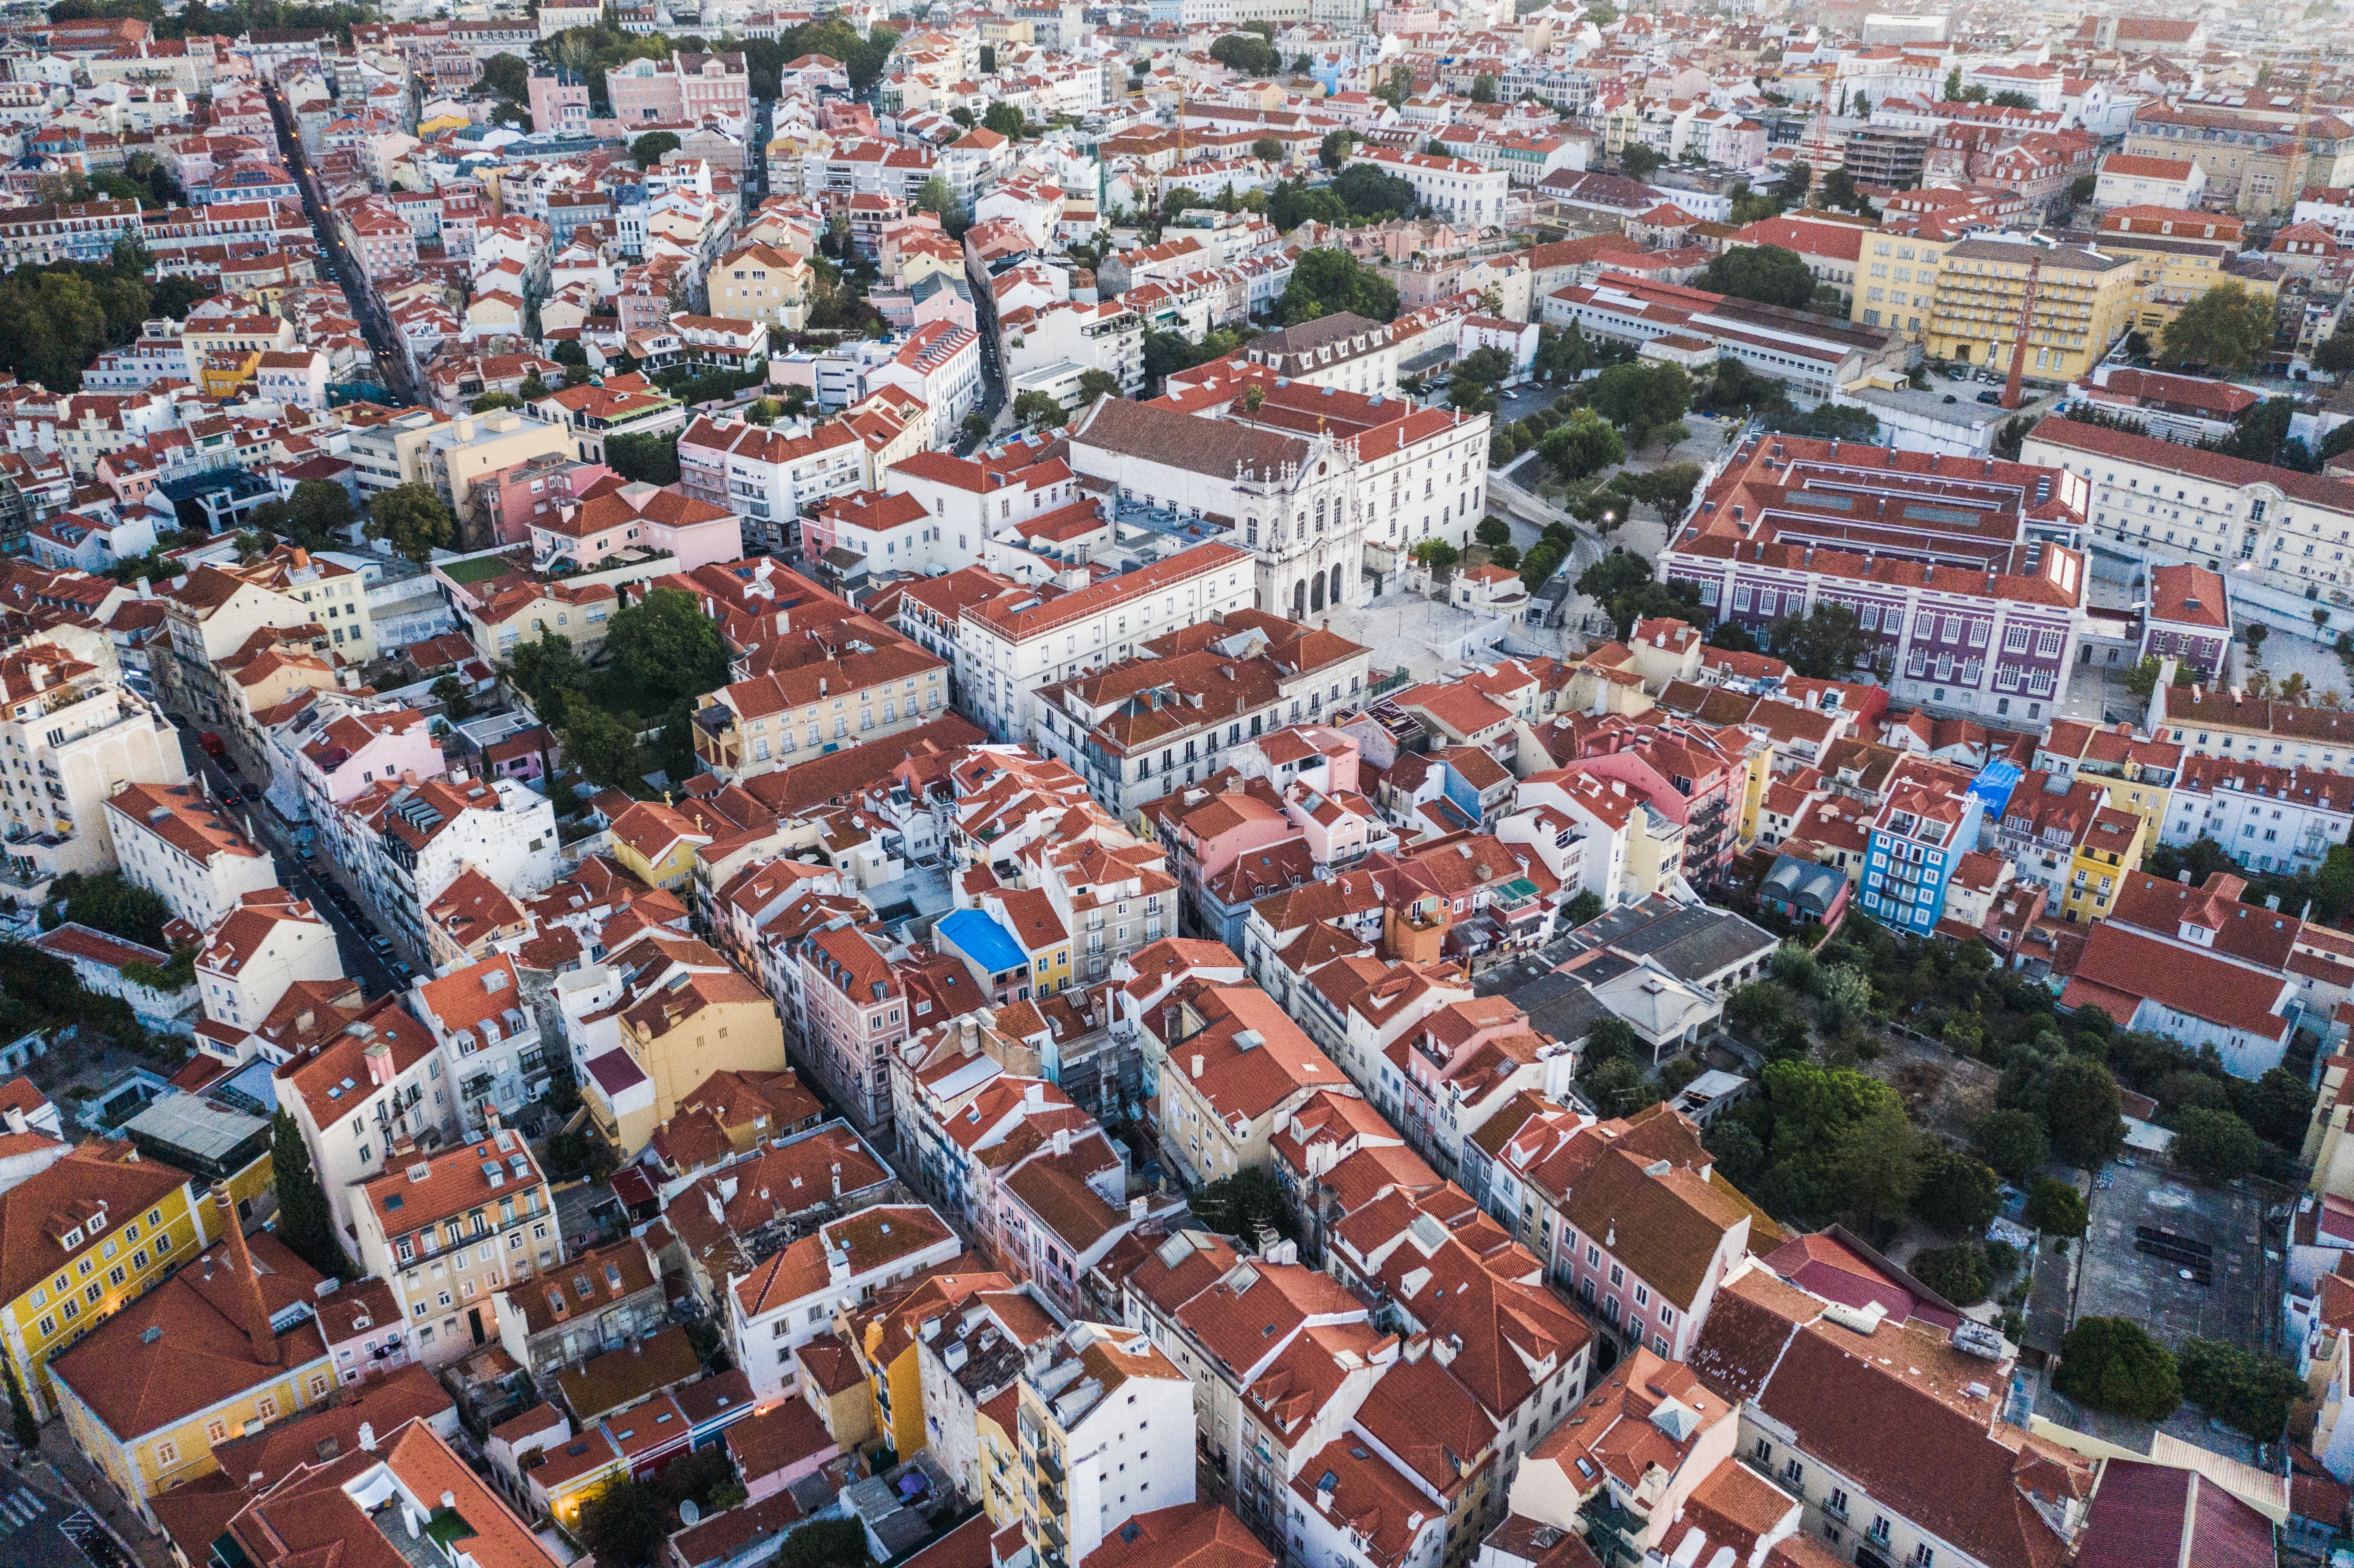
pixel 310 881
pixel 58 1512
pixel 391 364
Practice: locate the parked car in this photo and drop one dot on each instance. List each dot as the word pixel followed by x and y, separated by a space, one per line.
pixel 401 970
pixel 1989 397
pixel 249 790
pixel 381 946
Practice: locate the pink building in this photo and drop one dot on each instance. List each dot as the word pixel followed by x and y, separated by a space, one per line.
pixel 360 749
pixel 506 505
pixel 1060 1211
pixel 559 102
pixel 379 237
pixel 612 516
pixel 688 87
pixel 856 1012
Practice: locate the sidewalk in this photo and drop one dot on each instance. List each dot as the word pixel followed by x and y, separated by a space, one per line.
pixel 79 1481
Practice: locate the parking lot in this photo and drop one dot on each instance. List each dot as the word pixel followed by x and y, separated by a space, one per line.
pixel 2240 1302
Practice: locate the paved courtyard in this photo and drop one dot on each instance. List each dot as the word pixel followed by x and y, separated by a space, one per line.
pixel 2115 1280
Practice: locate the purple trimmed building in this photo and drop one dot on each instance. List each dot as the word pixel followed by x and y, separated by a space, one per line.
pixel 1967 575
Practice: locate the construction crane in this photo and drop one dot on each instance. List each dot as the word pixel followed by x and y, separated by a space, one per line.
pixel 2026 322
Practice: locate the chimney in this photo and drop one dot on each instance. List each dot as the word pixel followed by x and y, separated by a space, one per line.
pixel 1138 1207
pixel 1063 1134
pixel 368 1436
pixel 378 1057
pixel 257 1311
pixel 15 1118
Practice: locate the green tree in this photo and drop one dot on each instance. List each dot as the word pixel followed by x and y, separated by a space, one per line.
pixel 1824 645
pixel 2112 1364
pixel 643 455
pixel 1842 1144
pixel 2012 100
pixel 1039 410
pixel 305 1223
pixel 490 402
pixel 975 426
pixel 1325 282
pixel 1399 85
pixel 546 670
pixel 938 198
pixel 2081 188
pixel 648 149
pixel 2214 1145
pixel 112 903
pixel 1333 150
pixel 1267 150
pixel 2226 329
pixel 2246 1390
pixel 666 646
pixel 1493 531
pixel 1484 88
pixel 2334 354
pixel 1095 384
pixel 26 1430
pixel 1247 54
pixel 1438 556
pixel 1639 161
pixel 2278 1106
pixel 509 77
pixel 1838 191
pixel 1793 186
pixel 2012 1141
pixel 1586 906
pixel 1953 92
pixel 1006 120
pixel 1960 1274
pixel 1958 1195
pixel 1237 1205
pixel 1846 991
pixel 1770 274
pixel 2056 1208
pixel 450 692
pixel 1584 445
pixel 624 1523
pixel 601 746
pixel 413 520
pixel 2084 1115
pixel 1370 194
pixel 1642 399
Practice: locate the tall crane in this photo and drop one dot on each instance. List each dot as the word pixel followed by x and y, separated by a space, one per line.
pixel 2026 322
pixel 2297 146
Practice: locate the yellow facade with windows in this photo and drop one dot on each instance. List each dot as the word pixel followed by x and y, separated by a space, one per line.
pixel 2112 847
pixel 2084 302
pixel 100 1271
pixel 171 1456
pixel 1896 283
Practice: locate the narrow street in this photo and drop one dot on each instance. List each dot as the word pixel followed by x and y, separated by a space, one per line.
pixel 310 879
pixel 391 364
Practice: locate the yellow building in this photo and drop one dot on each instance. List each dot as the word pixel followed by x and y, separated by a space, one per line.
pixel 1896 283
pixel 2134 774
pixel 227 372
pixel 2084 302
pixel 655 843
pixel 77 1243
pixel 761 283
pixel 689 1014
pixel 2112 846
pixel 194 1363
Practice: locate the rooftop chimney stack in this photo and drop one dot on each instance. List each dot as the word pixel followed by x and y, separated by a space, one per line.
pixel 249 1284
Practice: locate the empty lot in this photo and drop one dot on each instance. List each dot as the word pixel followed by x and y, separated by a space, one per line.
pixel 2240 1304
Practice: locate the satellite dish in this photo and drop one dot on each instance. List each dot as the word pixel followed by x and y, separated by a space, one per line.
pixel 688 1514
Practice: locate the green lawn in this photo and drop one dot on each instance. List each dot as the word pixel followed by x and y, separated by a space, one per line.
pixel 481 568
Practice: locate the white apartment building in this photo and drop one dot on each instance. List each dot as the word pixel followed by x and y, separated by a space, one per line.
pixel 449 1231
pixel 182 844
pixel 488 1039
pixel 767 476
pixel 2166 502
pixel 376 1080
pixel 1106 338
pixel 1006 650
pixel 1456 189
pixel 1106 1427
pixel 265 945
pixel 939 362
pixel 71 732
pixel 791 1298
pixel 2270 819
pixel 409 839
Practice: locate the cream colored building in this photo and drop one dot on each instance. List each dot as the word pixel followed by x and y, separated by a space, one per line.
pixel 2084 302
pixel 451 1230
pixel 468 447
pixel 69 733
pixel 1896 283
pixel 386 446
pixel 761 282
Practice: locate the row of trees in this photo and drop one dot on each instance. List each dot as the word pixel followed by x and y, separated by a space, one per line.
pixel 2113 1364
pixel 56 319
pixel 662 654
pixel 1361 193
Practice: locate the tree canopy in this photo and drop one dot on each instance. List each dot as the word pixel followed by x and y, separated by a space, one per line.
pixel 1824 645
pixel 2224 329
pixel 2246 1391
pixel 1642 399
pixel 1247 54
pixel 1326 281
pixel 1769 274
pixel 413 520
pixel 666 647
pixel 2113 1364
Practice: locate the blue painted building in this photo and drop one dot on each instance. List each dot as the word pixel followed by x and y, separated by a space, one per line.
pixel 1930 820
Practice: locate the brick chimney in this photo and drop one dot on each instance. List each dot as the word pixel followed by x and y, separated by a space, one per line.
pixel 249 1284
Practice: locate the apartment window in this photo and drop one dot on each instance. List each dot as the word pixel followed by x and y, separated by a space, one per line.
pixel 1923 1556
